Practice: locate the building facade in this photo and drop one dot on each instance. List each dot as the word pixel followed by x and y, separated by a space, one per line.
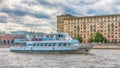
pixel 60 22
pixel 108 25
pixel 6 39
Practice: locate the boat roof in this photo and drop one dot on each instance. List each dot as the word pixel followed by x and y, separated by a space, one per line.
pixel 52 41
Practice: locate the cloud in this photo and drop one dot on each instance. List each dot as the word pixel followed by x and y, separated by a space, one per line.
pixel 1 1
pixel 3 18
pixel 46 3
pixel 41 14
pixel 20 12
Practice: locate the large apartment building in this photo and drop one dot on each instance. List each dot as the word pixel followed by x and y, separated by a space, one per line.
pixel 108 25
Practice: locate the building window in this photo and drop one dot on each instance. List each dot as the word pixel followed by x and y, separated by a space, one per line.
pixel 112 36
pixel 108 36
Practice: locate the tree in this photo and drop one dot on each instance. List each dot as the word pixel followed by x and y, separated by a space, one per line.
pixel 91 39
pixel 105 40
pixel 98 37
pixel 79 38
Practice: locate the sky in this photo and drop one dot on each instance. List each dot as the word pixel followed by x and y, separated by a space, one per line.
pixel 40 15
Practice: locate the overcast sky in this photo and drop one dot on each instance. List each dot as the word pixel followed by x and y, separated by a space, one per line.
pixel 40 15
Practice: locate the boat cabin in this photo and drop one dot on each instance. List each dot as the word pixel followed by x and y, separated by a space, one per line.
pixel 59 36
pixel 49 43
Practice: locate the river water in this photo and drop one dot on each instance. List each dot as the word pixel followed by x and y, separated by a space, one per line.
pixel 96 59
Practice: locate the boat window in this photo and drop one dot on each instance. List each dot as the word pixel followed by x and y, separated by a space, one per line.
pixel 60 35
pixel 41 44
pixel 57 36
pixel 37 44
pixel 64 44
pixel 29 44
pixel 45 44
pixel 51 36
pixel 47 36
pixel 64 35
pixel 59 44
pixel 69 44
pixel 53 44
pixel 49 44
pixel 34 44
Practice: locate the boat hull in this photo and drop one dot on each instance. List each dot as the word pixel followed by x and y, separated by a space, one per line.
pixel 74 49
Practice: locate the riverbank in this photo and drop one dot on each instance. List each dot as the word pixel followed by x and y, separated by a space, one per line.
pixel 107 46
pixel 4 46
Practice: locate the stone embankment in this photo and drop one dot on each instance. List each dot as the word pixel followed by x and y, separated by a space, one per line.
pixel 107 46
pixel 4 46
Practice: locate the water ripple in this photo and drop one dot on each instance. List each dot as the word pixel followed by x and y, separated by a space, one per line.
pixel 96 58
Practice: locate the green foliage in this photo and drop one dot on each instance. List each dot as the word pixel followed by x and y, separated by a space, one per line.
pixel 91 39
pixel 79 38
pixel 98 37
pixel 105 40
